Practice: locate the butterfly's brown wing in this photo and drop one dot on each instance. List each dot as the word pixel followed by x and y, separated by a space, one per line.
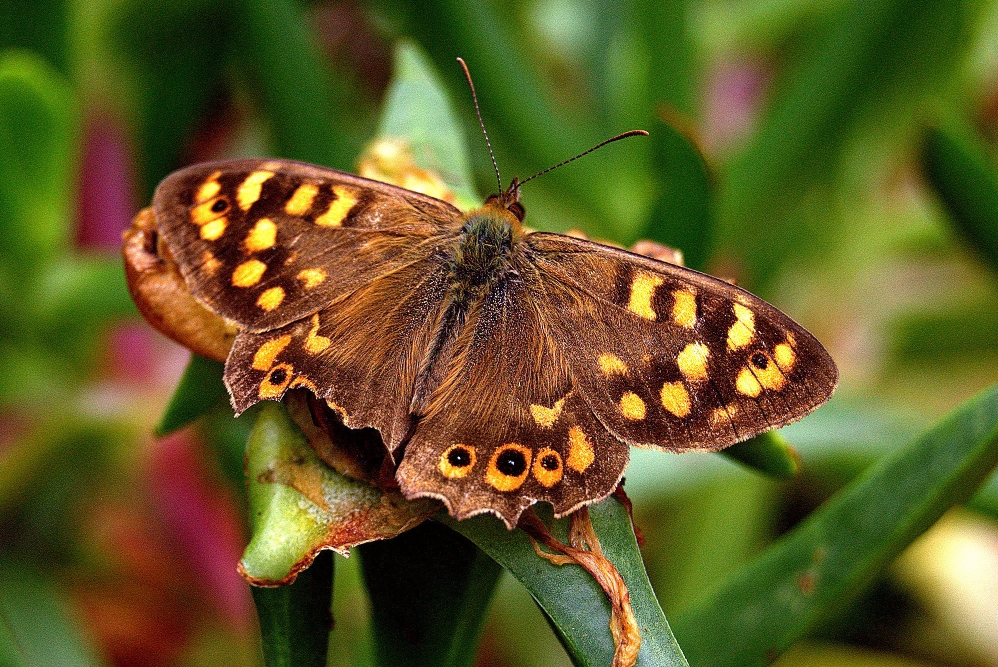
pixel 334 280
pixel 267 242
pixel 361 354
pixel 671 358
pixel 507 427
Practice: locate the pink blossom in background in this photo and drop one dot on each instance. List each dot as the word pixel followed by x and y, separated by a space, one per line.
pixel 140 355
pixel 733 95
pixel 202 523
pixel 106 200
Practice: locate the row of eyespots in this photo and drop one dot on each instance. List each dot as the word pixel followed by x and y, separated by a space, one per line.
pixel 510 464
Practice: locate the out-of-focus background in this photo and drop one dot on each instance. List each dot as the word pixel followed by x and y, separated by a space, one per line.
pixel 816 118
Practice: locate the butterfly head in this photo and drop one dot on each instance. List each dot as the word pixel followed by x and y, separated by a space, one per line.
pixel 509 201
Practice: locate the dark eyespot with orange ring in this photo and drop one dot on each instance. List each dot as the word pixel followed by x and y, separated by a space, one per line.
pixel 277 381
pixel 457 461
pixel 509 467
pixel 221 205
pixel 548 468
pixel 759 360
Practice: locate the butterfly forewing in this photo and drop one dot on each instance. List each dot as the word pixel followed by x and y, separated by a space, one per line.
pixel 264 243
pixel 671 358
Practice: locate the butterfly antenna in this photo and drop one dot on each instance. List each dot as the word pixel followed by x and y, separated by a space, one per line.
pixel 474 98
pixel 631 133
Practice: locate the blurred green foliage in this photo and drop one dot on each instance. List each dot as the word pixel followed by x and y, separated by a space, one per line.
pixel 836 156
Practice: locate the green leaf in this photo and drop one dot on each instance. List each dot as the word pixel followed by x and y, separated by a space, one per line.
pixel 529 129
pixel 39 26
pixel 200 389
pixel 824 563
pixel 295 620
pixel 35 625
pixel 873 53
pixel 683 216
pixel 417 108
pixel 174 54
pixel 316 115
pixel 767 452
pixel 429 590
pixel 572 600
pixel 959 168
pixel 38 149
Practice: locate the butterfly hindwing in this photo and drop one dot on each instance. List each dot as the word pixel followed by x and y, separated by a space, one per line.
pixel 361 354
pixel 507 428
pixel 671 358
pixel 267 242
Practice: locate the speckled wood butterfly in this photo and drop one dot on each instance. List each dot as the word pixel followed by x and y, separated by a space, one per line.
pixel 502 367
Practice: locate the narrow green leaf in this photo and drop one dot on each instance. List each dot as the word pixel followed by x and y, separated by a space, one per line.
pixel 314 115
pixel 295 620
pixel 174 53
pixel 38 148
pixel 417 108
pixel 39 26
pixel 767 452
pixel 959 168
pixel 872 53
pixel 35 625
pixel 683 216
pixel 530 131
pixel 200 389
pixel 575 604
pixel 825 562
pixel 429 590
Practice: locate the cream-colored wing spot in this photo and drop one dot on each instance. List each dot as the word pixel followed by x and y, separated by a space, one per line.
pixel 270 298
pixel 301 200
pixel 692 362
pixel 214 229
pixel 580 450
pixel 249 190
pixel 642 292
pixel 248 273
pixel 208 189
pixel 266 353
pixel 339 208
pixel 611 364
pixel 210 263
pixel 315 343
pixel 309 278
pixel 746 383
pixel 784 354
pixel 546 417
pixel 508 467
pixel 742 331
pixel 262 237
pixel 723 415
pixel 684 308
pixel 676 399
pixel 548 469
pixel 631 406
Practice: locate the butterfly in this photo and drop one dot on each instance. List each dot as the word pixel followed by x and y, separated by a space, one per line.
pixel 501 367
